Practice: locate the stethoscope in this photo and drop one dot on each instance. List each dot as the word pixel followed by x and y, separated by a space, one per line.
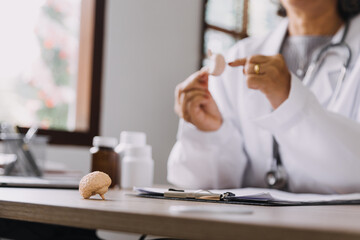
pixel 277 177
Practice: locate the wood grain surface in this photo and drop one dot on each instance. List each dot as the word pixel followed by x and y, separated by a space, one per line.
pixel 121 211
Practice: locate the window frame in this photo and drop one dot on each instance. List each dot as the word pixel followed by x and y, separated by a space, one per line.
pixel 235 34
pixel 84 138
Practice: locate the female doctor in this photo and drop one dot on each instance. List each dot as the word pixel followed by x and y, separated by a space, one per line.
pixel 284 114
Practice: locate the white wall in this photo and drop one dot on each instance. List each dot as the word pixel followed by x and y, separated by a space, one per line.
pixel 150 46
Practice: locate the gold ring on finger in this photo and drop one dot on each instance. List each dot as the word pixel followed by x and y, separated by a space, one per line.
pixel 257 69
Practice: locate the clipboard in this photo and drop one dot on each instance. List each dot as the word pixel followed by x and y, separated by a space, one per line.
pixel 262 197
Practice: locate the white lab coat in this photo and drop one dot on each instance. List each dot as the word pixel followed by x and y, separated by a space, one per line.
pixel 320 147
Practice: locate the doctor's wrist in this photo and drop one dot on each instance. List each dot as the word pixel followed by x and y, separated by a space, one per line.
pixel 278 97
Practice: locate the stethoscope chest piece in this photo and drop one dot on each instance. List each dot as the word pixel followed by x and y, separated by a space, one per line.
pixel 277 178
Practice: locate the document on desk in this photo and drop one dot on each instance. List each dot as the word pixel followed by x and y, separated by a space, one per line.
pixel 251 196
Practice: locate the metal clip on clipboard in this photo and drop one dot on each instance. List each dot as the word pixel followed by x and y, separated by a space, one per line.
pixel 200 195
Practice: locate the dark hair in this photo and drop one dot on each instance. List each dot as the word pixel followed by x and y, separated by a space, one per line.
pixel 347 9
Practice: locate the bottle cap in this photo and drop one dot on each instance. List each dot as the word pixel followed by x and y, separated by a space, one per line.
pixel 138 151
pixel 104 141
pixel 133 138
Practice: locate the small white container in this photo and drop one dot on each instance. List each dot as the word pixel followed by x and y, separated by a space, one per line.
pixel 128 139
pixel 137 167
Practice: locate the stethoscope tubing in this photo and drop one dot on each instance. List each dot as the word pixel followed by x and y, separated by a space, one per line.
pixel 309 78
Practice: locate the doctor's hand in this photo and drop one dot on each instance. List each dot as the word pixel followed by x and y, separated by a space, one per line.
pixel 269 74
pixel 194 103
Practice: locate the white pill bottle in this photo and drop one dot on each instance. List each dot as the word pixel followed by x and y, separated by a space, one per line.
pixel 137 167
pixel 128 139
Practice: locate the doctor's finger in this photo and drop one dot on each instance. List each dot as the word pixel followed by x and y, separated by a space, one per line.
pixel 191 105
pixel 190 94
pixel 252 59
pixel 199 80
pixel 188 97
pixel 178 106
pixel 194 107
pixel 258 59
pixel 194 89
pixel 237 62
pixel 200 76
pixel 191 83
pixel 249 68
pixel 177 93
pixel 255 81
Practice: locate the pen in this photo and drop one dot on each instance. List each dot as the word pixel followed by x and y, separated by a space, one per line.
pixel 206 195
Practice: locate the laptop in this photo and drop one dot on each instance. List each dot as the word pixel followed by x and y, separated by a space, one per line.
pixel 38 182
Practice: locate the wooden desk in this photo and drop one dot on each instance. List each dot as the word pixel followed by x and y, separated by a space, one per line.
pixel 122 212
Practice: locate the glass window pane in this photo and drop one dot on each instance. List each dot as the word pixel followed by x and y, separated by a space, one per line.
pixel 262 17
pixel 39 55
pixel 225 14
pixel 217 42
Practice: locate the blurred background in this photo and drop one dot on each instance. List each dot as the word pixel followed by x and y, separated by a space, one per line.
pixel 76 76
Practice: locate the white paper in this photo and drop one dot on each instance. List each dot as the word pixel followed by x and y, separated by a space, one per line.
pixel 277 195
